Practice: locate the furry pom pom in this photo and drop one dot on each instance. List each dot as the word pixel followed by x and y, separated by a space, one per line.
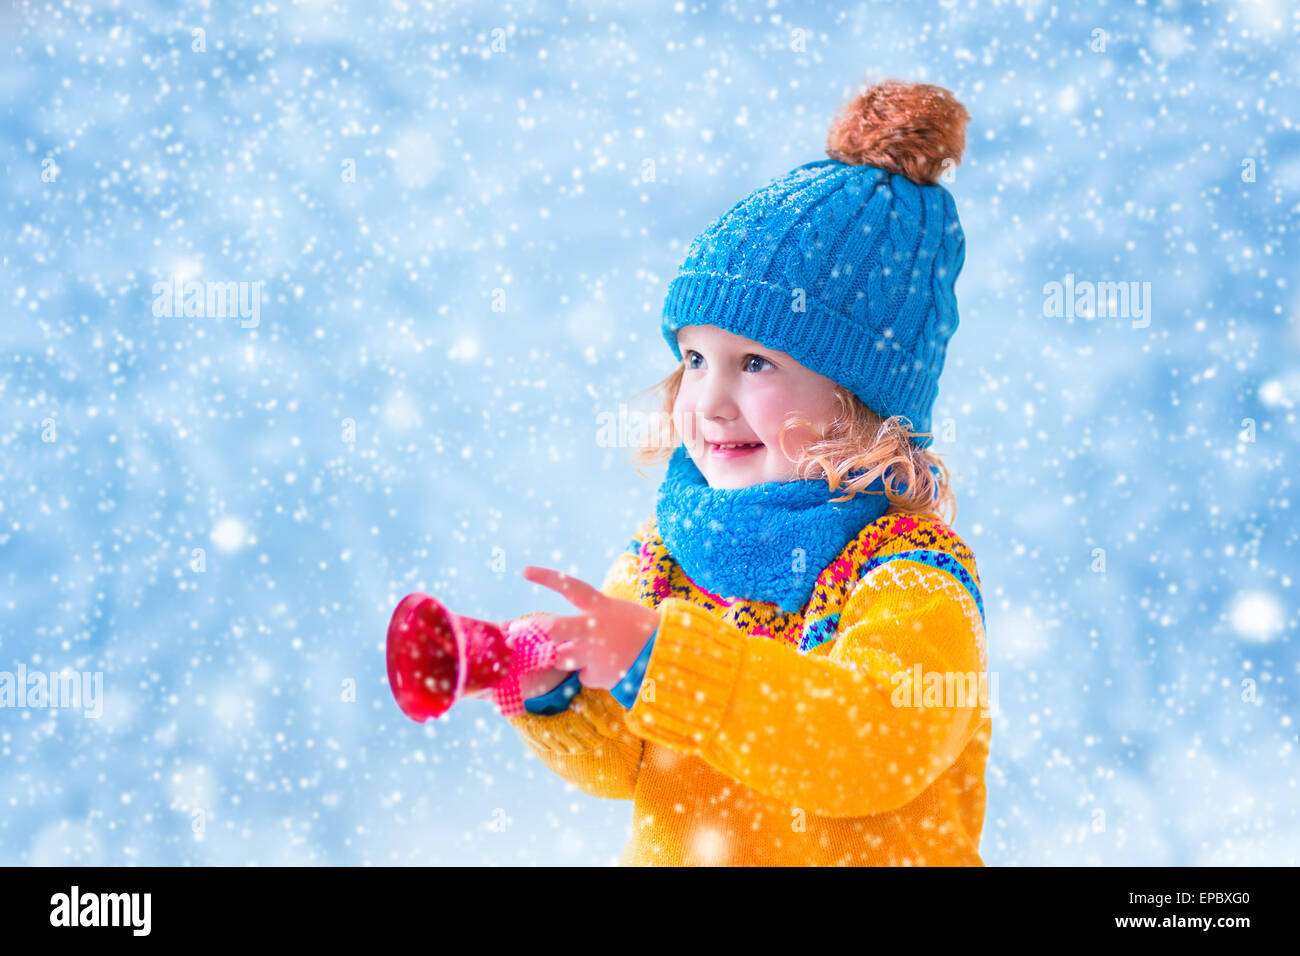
pixel 915 129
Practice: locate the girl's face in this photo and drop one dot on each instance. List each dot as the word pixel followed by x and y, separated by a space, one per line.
pixel 737 391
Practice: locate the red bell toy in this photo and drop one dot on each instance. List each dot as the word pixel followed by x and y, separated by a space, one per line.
pixel 437 657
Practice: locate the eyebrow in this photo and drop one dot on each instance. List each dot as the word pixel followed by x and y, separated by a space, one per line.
pixel 754 349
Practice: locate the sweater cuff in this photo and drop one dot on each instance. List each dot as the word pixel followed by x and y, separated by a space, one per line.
pixel 557 699
pixel 689 679
pixel 626 690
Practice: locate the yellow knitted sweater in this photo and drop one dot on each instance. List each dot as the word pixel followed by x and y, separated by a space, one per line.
pixel 854 732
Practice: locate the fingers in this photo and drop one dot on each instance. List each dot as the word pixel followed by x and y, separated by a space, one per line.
pixel 578 628
pixel 578 592
pixel 566 659
pixel 572 634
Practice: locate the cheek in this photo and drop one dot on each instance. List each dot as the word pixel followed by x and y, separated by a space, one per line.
pixel 768 412
pixel 682 410
pixel 765 413
pixel 825 406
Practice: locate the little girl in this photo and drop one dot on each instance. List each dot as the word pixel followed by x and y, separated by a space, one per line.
pixel 768 670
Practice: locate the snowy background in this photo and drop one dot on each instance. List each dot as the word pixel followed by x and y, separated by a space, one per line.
pixel 465 217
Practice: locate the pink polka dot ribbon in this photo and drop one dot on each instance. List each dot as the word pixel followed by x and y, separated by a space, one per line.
pixel 533 651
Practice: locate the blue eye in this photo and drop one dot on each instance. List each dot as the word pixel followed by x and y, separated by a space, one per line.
pixel 690 356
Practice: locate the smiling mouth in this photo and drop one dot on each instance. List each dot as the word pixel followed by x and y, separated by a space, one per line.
pixel 733 449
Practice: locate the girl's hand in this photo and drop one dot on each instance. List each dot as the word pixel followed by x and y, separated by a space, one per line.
pixel 602 643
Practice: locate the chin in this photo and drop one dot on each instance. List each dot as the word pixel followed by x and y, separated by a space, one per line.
pixel 733 477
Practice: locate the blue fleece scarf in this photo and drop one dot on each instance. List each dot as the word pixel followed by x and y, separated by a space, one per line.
pixel 768 542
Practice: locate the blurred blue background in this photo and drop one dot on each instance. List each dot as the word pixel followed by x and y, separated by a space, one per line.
pixel 464 217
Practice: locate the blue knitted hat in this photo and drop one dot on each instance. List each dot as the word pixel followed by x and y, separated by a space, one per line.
pixel 848 263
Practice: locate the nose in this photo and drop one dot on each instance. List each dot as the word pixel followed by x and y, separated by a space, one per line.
pixel 714 400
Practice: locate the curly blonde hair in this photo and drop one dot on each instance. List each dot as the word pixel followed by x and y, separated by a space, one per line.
pixel 855 440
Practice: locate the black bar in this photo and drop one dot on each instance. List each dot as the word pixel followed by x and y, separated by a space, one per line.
pixel 327 905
